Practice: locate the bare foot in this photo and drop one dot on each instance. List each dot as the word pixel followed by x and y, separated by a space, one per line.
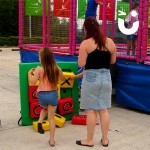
pixel 51 143
pixel 105 143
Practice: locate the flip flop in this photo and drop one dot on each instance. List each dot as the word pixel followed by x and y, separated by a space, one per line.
pixel 79 143
pixel 105 145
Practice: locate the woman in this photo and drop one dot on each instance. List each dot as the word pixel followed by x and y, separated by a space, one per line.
pixel 48 74
pixel 130 19
pixel 96 53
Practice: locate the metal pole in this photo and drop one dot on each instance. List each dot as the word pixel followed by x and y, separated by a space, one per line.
pixel 20 22
pixel 30 26
pixel 113 20
pixel 44 22
pixel 104 21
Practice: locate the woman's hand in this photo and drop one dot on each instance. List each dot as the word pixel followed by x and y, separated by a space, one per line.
pixel 72 77
pixel 80 75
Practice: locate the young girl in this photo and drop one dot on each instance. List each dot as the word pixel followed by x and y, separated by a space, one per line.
pixel 130 19
pixel 48 74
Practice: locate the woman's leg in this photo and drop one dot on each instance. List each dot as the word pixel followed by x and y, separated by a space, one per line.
pixel 91 123
pixel 104 122
pixel 51 115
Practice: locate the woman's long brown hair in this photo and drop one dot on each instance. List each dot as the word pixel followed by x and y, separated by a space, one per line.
pixel 91 29
pixel 50 67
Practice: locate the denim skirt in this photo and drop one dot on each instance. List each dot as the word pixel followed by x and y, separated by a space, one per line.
pixel 48 98
pixel 96 89
pixel 132 37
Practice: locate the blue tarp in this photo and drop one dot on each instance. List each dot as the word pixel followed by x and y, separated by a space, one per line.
pixel 28 56
pixel 133 85
pixel 132 82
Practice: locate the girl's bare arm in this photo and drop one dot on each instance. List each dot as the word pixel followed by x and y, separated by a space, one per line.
pixel 33 76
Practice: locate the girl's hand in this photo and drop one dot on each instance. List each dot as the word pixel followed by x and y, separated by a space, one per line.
pixel 30 72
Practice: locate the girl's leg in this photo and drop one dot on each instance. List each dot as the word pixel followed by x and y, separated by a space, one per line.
pixel 129 45
pixel 91 123
pixel 104 121
pixel 133 46
pixel 51 115
pixel 43 114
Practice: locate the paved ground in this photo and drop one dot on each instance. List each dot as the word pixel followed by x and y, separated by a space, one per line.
pixel 129 129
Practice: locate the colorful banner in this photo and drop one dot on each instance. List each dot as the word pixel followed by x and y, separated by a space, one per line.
pixel 123 9
pixel 34 7
pixel 109 11
pixel 61 8
pixel 81 8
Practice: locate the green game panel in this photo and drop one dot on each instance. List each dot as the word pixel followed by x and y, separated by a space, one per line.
pixel 24 102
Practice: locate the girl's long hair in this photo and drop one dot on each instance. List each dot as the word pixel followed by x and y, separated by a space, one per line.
pixel 50 67
pixel 91 29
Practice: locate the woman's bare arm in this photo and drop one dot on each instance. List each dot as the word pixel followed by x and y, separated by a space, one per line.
pixel 80 75
pixel 82 54
pixel 112 49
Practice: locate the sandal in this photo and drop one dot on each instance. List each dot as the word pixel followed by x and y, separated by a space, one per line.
pixel 40 129
pixel 79 143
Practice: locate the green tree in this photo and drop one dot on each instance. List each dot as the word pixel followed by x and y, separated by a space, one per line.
pixel 125 0
pixel 9 17
pixel 59 30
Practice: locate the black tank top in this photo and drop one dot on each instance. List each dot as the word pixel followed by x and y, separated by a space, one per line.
pixel 98 59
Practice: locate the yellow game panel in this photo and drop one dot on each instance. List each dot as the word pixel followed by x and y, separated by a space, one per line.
pixel 68 83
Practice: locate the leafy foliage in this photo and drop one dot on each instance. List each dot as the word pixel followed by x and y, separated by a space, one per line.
pixel 9 41
pixel 9 17
pixel 59 30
